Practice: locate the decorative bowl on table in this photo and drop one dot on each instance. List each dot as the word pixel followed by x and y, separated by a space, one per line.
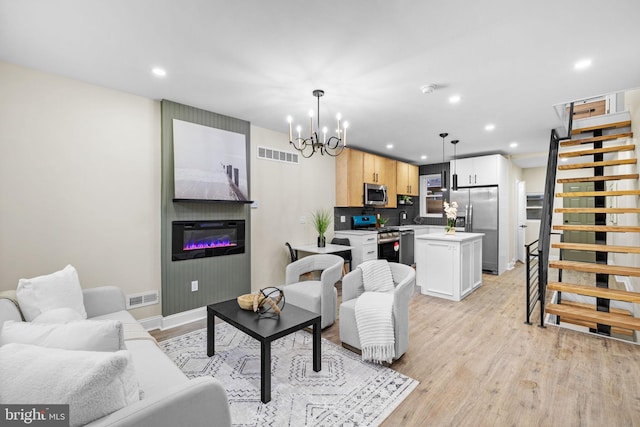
pixel 246 301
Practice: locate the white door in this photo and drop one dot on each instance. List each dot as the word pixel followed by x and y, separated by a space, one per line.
pixel 521 224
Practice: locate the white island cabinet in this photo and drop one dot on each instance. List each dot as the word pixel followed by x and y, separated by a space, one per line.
pixel 449 265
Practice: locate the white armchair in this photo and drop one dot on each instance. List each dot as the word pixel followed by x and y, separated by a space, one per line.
pixel 404 278
pixel 318 296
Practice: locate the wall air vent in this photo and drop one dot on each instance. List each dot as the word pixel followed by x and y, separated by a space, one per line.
pixel 142 299
pixel 278 155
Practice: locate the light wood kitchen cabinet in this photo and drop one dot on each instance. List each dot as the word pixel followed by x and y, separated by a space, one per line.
pixel 352 168
pixel 478 171
pixel 349 183
pixel 375 169
pixel 407 179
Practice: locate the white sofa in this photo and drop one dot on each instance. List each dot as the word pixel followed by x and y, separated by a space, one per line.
pixel 169 397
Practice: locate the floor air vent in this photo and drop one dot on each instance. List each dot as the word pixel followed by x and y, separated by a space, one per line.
pixel 278 155
pixel 142 299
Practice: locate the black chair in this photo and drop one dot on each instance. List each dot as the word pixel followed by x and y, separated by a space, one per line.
pixel 344 254
pixel 292 253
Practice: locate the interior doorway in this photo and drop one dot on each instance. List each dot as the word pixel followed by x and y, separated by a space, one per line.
pixel 521 224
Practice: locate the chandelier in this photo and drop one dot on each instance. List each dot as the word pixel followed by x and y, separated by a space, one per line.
pixel 332 146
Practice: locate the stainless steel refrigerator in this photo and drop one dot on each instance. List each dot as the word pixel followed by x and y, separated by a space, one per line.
pixel 479 208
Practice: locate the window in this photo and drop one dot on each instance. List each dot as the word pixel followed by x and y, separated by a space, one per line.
pixel 534 206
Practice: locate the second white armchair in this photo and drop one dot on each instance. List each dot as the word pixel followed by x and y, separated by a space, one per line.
pixel 318 296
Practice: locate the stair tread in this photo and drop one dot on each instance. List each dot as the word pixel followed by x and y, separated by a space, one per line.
pixel 597 210
pixel 593 291
pixel 597 164
pixel 599 178
pixel 600 317
pixel 593 307
pixel 591 267
pixel 599 193
pixel 596 139
pixel 614 149
pixel 613 125
pixel 594 325
pixel 605 228
pixel 597 248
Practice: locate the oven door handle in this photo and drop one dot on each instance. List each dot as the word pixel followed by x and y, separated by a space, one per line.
pixel 389 240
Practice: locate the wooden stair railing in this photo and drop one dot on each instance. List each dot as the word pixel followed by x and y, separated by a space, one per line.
pixel 598 317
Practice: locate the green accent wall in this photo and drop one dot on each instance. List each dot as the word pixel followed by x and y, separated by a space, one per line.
pixel 219 278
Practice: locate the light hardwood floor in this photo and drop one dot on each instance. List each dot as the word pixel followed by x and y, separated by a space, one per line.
pixel 479 365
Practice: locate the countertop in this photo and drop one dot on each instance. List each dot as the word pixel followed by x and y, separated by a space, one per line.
pixel 459 236
pixel 356 232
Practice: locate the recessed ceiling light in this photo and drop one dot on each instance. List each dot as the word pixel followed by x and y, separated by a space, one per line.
pixel 423 157
pixel 454 99
pixel 490 126
pixel 513 145
pixel 160 72
pixel 582 64
pixel 564 159
pixel 389 146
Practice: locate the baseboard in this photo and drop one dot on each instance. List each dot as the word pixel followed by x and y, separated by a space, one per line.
pixel 174 320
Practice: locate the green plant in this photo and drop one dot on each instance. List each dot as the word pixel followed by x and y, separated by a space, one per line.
pixel 383 220
pixel 322 220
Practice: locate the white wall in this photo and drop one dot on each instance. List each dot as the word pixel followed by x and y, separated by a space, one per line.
pixel 79 182
pixel 285 193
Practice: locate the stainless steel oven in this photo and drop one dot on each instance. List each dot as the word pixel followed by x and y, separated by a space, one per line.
pixel 389 245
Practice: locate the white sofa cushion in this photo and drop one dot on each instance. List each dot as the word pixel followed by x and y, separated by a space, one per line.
pixel 51 291
pixel 58 315
pixel 88 335
pixel 94 384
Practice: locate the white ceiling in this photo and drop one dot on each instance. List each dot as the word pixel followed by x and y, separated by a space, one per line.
pixel 258 60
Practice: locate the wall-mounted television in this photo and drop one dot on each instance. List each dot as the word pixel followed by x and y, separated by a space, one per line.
pixel 209 164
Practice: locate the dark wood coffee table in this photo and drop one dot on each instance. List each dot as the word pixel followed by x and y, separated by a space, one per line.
pixel 264 330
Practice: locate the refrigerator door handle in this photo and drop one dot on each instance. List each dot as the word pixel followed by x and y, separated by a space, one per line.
pixel 470 226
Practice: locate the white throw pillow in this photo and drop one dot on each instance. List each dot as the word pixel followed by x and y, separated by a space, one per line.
pixel 93 384
pixel 56 290
pixel 88 335
pixel 376 276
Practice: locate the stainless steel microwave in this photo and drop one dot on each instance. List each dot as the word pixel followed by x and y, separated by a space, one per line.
pixel 375 194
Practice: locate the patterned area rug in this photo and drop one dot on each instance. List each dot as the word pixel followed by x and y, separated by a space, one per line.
pixel 346 392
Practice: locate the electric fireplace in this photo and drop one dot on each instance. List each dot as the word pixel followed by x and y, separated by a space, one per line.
pixel 201 239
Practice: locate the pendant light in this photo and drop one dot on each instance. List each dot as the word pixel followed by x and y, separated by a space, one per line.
pixel 454 177
pixel 443 173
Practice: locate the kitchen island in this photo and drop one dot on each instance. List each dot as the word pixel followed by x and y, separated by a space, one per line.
pixel 448 265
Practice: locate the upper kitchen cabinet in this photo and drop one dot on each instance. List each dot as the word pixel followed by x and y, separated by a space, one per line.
pixel 375 169
pixel 354 168
pixel 349 182
pixel 407 179
pixel 479 171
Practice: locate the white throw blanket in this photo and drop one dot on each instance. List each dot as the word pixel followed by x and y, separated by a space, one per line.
pixel 374 312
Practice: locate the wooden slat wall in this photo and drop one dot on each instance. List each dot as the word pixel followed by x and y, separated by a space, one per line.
pixel 219 278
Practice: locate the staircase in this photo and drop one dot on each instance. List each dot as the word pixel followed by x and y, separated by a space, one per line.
pixel 596 306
